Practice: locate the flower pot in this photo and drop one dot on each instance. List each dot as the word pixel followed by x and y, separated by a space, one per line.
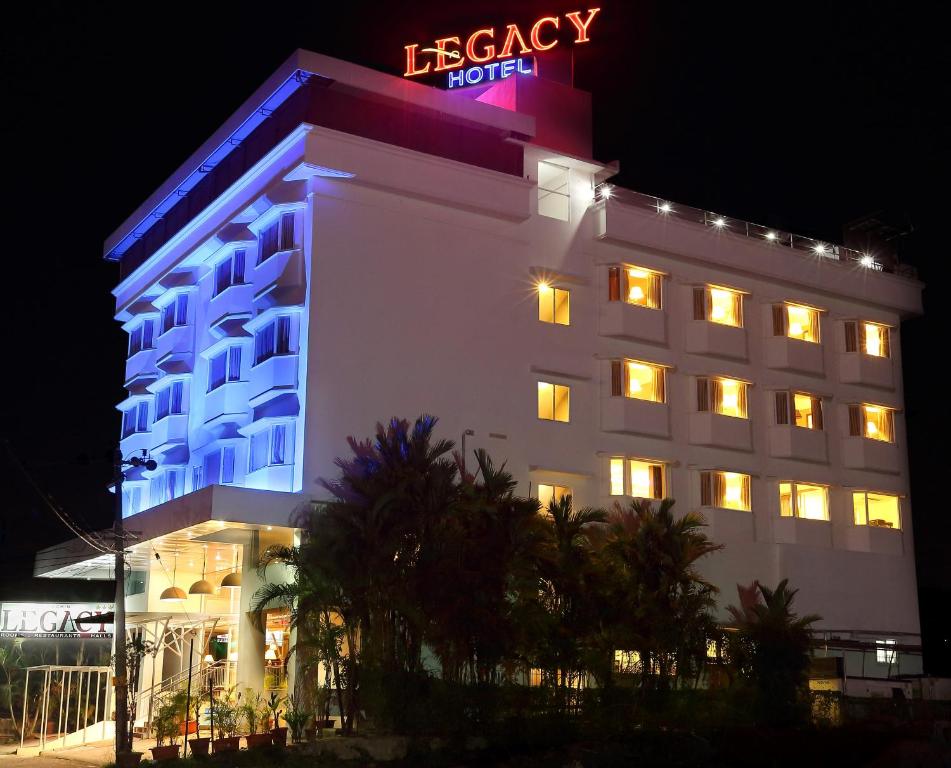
pixel 256 740
pixel 199 747
pixel 279 736
pixel 128 759
pixel 168 752
pixel 227 744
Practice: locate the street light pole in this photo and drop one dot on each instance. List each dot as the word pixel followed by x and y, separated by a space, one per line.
pixel 468 433
pixel 123 737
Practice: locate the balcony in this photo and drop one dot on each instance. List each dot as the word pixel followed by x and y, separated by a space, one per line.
pixel 874 455
pixel 798 530
pixel 787 441
pixel 728 525
pixel 635 417
pixel 719 431
pixel 281 281
pixel 716 340
pixel 272 478
pixel 867 370
pixel 169 432
pixel 227 404
pixel 870 538
pixel 789 354
pixel 174 350
pixel 271 378
pixel 135 443
pixel 141 370
pixel 230 310
pixel 629 321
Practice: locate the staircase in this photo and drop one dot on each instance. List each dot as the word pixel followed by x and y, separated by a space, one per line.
pixel 220 675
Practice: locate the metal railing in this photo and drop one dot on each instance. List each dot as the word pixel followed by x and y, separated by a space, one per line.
pixel 220 674
pixel 68 690
pixel 769 235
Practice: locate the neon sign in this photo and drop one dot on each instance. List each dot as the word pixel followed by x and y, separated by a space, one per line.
pixel 486 49
pixel 56 620
pixel 496 70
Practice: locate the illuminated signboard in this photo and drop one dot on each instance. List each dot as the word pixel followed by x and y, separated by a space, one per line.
pixel 490 55
pixel 56 620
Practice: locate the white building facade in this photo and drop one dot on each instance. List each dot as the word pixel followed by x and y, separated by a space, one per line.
pixel 351 246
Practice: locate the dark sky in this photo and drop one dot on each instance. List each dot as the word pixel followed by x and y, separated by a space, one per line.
pixel 802 116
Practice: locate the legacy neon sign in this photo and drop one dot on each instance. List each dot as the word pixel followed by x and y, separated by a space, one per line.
pixel 484 48
pixel 56 620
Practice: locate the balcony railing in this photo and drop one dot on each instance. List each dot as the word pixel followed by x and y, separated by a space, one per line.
pixel 770 235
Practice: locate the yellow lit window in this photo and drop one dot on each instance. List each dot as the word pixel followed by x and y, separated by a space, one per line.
pixel 725 306
pixel 880 510
pixel 553 401
pixel 801 500
pixel 635 285
pixel 878 423
pixel 727 490
pixel 808 411
pixel 875 340
pixel 549 493
pixel 626 662
pixel 732 398
pixel 647 479
pixel 712 649
pixel 553 304
pixel 617 477
pixel 644 381
pixel 802 323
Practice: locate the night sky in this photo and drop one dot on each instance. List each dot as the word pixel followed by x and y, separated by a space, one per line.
pixel 799 116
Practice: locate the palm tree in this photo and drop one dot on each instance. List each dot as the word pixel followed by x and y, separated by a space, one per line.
pixel 652 557
pixel 770 648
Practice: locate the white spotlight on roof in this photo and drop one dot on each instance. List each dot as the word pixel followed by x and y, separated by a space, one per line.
pixel 819 248
pixel 606 192
pixel 719 222
pixel 771 236
pixel 664 207
pixel 867 261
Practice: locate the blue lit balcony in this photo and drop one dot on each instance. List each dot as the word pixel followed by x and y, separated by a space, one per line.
pixel 229 311
pixel 135 443
pixel 141 369
pixel 228 404
pixel 271 378
pixel 174 350
pixel 281 281
pixel 169 433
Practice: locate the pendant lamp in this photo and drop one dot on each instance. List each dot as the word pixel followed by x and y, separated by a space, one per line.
pixel 173 594
pixel 233 579
pixel 202 587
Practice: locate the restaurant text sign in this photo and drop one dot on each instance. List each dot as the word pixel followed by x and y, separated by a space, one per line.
pixel 56 620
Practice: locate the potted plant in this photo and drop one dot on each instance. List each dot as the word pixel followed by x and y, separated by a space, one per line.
pixel 324 720
pixel 168 723
pixel 297 718
pixel 254 713
pixel 226 715
pixel 278 732
pixel 199 745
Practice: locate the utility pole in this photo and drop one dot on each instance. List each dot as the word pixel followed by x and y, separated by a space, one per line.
pixel 123 738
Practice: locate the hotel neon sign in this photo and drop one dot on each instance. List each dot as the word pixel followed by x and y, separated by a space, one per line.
pixel 493 62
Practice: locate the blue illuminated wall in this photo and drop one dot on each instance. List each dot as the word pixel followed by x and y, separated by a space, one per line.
pixel 214 370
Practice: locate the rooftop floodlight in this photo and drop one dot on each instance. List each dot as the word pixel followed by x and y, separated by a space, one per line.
pixel 867 261
pixel 606 191
pixel 771 236
pixel 664 208
pixel 719 222
pixel 819 248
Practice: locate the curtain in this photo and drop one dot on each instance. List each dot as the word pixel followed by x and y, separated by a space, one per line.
pixel 267 243
pixel 181 309
pixel 653 291
pixel 716 395
pixel 660 393
pixel 148 332
pixel 706 489
pixel 814 325
pixel 222 276
pixel 234 364
pixel 277 443
pixel 851 336
pixel 863 336
pixel 168 317
pixel 128 421
pixel 237 276
pixel 741 398
pixel 617 378
pixel 212 468
pixel 135 340
pixel 264 343
pixel 745 493
pixel 614 284
pixel 227 464
pixel 703 395
pixel 283 335
pixel 855 420
pixel 258 450
pixel 738 309
pixel 216 372
pixel 779 319
pixel 287 231
pixel 886 341
pixel 178 390
pixel 817 413
pixel 699 303
pixel 161 404
pixel 657 481
pixel 719 489
pixel 888 424
pixel 782 407
pixel 142 420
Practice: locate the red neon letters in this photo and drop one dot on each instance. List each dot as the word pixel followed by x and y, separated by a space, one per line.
pixel 480 46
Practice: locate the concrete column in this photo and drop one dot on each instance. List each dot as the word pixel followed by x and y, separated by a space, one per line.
pixel 250 637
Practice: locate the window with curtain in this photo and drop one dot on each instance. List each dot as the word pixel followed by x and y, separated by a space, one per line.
pixel 268 241
pixel 273 339
pixel 553 401
pixel 728 397
pixel 871 339
pixel 636 477
pixel 142 337
pixel 641 381
pixel 175 313
pixel 269 447
pixel 718 305
pixel 879 510
pixel 259 450
pixel 727 490
pixel 635 285
pixel 549 493
pixel 799 408
pixel 135 419
pixel 278 443
pixel 553 305
pixel 230 271
pixel 875 422
pixel 810 502
pixel 796 321
pixel 168 401
pixel 224 367
pixel 218 466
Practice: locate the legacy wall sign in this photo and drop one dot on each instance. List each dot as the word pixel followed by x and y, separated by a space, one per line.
pixel 56 620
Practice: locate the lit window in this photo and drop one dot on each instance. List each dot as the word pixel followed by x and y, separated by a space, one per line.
pixel 166 486
pixel 617 477
pixel 553 304
pixel 797 322
pixel 272 339
pixel 647 479
pixel 224 367
pixel 142 337
pixel 724 396
pixel 549 493
pixel 553 401
pixel 712 652
pixel 169 400
pixel 718 305
pixel 271 447
pixel 217 468
pixel 553 200
pixel 175 313
pixel 635 285
pixel 875 342
pixel 808 411
pixel 801 500
pixel 727 490
pixel 874 422
pixel 885 651
pixel 136 419
pixel 879 510
pixel 276 237
pixel 230 271
pixel 641 381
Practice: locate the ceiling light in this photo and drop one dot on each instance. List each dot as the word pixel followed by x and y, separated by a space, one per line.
pixel 173 595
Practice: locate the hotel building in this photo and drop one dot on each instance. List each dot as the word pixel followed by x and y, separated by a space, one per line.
pixel 351 246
